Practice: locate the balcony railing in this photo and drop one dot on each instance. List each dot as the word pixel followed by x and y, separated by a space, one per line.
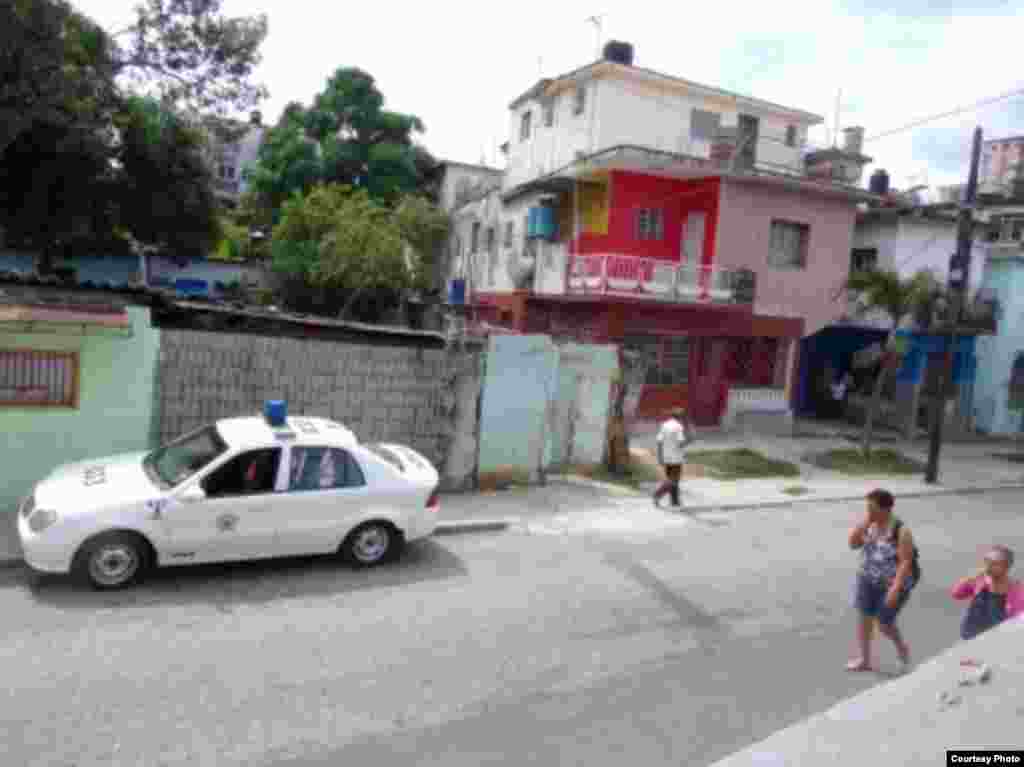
pixel 658 280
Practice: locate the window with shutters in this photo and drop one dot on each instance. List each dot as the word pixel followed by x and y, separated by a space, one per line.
pixel 474 240
pixel 579 104
pixel 30 378
pixel 510 234
pixel 863 260
pixel 650 224
pixel 704 126
pixel 524 126
pixel 549 114
pixel 788 249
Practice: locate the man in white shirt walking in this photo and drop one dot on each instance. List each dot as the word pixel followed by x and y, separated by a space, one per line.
pixel 675 434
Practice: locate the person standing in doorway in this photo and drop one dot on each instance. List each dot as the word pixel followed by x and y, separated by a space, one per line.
pixel 888 573
pixel 673 437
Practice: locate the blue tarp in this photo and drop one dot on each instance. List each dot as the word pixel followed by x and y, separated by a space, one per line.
pixel 920 345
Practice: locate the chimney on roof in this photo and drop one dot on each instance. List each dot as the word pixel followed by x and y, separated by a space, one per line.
pixel 256 118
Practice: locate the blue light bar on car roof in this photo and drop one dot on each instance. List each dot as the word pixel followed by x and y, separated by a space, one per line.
pixel 276 412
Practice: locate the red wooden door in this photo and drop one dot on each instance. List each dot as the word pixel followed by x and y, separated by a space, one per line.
pixel 709 385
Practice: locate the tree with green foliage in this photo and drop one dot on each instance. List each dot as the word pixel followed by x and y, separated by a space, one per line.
pixel 345 137
pixel 164 186
pixel 82 162
pixel 341 242
pixel 898 298
pixel 61 67
pixel 196 58
pixel 65 186
pixel 56 68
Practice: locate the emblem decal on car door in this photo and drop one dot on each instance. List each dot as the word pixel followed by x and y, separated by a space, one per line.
pixel 226 522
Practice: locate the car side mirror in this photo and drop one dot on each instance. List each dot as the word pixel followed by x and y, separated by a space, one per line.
pixel 192 494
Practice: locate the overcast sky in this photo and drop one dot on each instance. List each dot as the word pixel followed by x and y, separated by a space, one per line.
pixel 457 65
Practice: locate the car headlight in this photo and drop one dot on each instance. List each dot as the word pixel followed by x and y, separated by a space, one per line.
pixel 41 519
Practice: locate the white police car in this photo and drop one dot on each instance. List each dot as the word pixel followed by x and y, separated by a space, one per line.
pixel 241 488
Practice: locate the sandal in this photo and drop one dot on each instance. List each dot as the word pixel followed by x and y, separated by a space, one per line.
pixel 858 664
pixel 904 658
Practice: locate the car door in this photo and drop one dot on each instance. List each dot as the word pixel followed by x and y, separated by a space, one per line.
pixel 327 490
pixel 233 517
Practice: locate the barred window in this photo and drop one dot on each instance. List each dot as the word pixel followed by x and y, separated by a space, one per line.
pixel 38 378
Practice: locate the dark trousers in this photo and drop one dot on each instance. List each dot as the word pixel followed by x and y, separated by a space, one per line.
pixel 673 472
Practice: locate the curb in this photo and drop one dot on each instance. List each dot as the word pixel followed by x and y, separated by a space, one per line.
pixel 848 498
pixel 464 526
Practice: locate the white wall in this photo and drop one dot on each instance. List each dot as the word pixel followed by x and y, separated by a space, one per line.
pixel 484 271
pixel 549 149
pixel 458 175
pixel 550 270
pixel 910 245
pixel 620 111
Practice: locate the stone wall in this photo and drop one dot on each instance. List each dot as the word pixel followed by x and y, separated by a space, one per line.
pixel 425 398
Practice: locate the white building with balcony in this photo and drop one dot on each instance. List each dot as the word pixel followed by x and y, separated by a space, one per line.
pixel 675 218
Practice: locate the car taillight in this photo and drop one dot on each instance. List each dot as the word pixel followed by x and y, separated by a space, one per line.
pixel 434 501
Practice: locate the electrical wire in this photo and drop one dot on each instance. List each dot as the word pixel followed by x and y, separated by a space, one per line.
pixel 1017 93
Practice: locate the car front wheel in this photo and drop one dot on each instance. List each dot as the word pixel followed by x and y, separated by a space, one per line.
pixel 372 543
pixel 111 561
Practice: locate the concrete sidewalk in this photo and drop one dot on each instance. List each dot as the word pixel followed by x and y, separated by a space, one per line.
pixel 914 719
pixel 965 468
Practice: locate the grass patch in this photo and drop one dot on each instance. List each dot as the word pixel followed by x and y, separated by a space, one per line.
pixel 741 463
pixel 880 461
pixel 637 473
pixel 795 490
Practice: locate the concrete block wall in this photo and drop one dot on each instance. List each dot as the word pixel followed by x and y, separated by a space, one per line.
pixel 384 394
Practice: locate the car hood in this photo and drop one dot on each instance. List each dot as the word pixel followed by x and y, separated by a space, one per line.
pixel 89 485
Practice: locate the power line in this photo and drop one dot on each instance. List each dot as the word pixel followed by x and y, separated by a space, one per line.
pixel 953 112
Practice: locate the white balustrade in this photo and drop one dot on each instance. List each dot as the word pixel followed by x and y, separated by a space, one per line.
pixel 654 278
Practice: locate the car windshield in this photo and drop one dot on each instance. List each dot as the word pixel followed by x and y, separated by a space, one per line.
pixel 176 461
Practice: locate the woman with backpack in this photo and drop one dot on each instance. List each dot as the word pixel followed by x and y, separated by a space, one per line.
pixel 888 573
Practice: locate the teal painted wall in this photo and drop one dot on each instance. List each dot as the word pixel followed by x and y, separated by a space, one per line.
pixel 544 405
pixel 521 376
pixel 115 412
pixel 1004 277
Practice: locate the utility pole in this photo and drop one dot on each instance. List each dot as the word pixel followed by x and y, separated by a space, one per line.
pixel 597 21
pixel 959 272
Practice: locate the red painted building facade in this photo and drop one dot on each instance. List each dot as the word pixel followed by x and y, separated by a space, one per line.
pixel 645 271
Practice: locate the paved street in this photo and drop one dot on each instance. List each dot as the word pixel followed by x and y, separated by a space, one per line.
pixel 579 639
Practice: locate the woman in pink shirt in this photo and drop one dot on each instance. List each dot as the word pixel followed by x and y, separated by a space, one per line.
pixel 994 596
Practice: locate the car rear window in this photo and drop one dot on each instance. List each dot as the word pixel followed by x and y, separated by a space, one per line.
pixel 388 455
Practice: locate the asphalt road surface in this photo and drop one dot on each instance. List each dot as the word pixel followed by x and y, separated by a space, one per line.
pixel 591 639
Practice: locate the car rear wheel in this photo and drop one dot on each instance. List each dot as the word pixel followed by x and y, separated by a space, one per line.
pixel 372 543
pixel 112 561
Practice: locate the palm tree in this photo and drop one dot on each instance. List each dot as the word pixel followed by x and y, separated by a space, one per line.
pixel 898 298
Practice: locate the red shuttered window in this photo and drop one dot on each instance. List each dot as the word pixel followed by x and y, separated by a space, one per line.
pixel 30 378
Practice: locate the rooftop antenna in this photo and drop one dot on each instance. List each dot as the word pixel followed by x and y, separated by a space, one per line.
pixel 835 131
pixel 596 20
